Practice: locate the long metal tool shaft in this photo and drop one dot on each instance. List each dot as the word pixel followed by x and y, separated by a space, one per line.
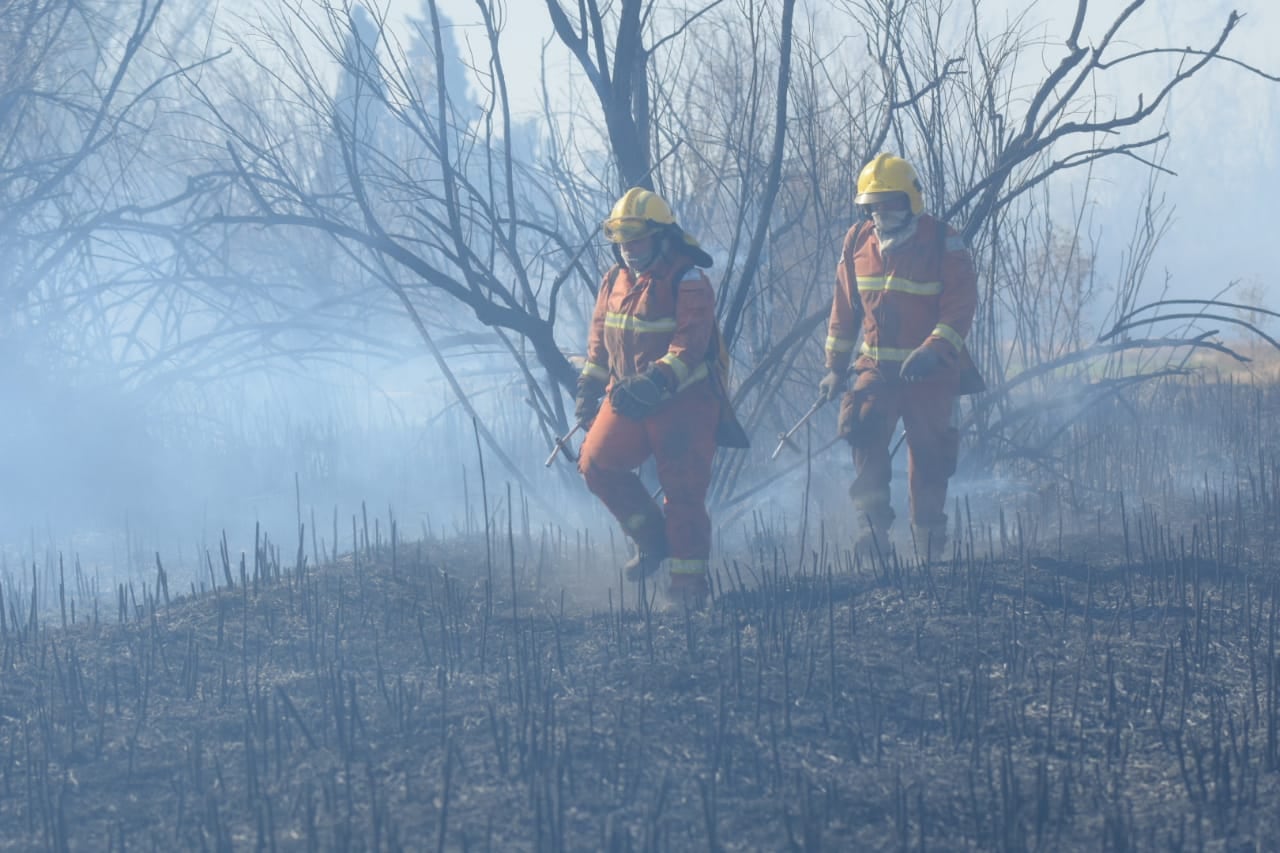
pixel 561 444
pixel 784 438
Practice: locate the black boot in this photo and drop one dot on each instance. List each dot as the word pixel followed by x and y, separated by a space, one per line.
pixel 930 540
pixel 646 562
pixel 872 521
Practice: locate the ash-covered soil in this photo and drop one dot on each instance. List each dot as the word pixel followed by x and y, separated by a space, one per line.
pixel 1122 698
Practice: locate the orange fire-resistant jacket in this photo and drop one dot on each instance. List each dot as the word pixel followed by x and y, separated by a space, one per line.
pixel 923 291
pixel 640 320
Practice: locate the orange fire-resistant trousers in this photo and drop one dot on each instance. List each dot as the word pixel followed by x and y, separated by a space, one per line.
pixel 869 415
pixel 681 438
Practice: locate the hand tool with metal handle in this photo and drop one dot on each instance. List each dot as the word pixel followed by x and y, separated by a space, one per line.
pixel 784 438
pixel 561 444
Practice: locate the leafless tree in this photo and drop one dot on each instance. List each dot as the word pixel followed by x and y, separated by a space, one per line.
pixel 746 116
pixel 86 104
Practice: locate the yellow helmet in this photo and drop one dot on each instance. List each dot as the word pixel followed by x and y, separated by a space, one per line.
pixel 637 214
pixel 889 174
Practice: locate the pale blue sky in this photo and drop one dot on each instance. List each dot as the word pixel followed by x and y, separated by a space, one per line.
pixel 1225 128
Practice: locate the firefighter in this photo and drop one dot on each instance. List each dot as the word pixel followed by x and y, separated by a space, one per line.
pixel 653 353
pixel 907 279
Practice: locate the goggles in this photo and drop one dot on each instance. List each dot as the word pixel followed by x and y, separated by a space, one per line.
pixel 627 228
pixel 882 202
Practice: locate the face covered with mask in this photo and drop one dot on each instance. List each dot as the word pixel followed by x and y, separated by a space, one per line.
pixel 641 253
pixel 891 216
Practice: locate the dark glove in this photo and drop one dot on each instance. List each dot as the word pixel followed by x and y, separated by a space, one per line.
pixel 639 396
pixel 587 404
pixel 831 385
pixel 923 362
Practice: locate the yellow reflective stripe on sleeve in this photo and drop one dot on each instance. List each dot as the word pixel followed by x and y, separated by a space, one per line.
pixel 949 335
pixel 871 284
pixel 835 344
pixel 678 367
pixel 696 375
pixel 885 353
pixel 595 371
pixel 688 567
pixel 628 323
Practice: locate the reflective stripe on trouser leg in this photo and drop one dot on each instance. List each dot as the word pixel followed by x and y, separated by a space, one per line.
pixel 932 449
pixel 613 448
pixel 687 567
pixel 683 437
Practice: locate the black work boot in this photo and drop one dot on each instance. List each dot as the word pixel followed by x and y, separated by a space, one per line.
pixel 872 521
pixel 930 540
pixel 690 590
pixel 645 562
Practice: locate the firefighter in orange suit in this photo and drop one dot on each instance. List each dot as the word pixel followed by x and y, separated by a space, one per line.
pixel 908 281
pixel 652 352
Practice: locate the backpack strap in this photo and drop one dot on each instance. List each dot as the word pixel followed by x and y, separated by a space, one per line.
pixel 715 342
pixel 864 232
pixel 610 277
